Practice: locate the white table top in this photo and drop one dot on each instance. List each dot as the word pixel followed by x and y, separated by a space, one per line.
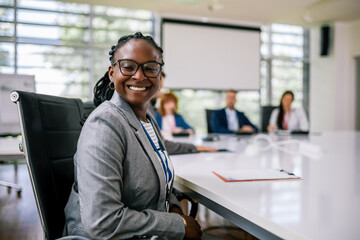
pixel 324 205
pixel 9 149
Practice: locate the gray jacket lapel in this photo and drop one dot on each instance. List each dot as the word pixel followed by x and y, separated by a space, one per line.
pixel 133 121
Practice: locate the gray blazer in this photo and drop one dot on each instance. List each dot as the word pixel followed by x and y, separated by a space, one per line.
pixel 119 188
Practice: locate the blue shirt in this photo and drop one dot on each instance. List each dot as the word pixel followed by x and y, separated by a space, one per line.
pixel 179 121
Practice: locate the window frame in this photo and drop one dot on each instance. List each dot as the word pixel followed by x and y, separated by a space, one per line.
pixel 88 43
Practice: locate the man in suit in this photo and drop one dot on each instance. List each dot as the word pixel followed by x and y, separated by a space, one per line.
pixel 229 120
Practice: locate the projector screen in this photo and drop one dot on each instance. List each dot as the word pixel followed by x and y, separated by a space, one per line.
pixel 210 56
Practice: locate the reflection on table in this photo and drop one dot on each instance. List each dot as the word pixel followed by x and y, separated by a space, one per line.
pixel 324 205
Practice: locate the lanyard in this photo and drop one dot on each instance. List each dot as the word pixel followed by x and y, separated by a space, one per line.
pixel 165 168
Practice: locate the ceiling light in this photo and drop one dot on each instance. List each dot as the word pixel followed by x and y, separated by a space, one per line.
pixel 319 4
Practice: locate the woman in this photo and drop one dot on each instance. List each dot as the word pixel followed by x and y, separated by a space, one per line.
pixel 123 174
pixel 287 118
pixel 167 117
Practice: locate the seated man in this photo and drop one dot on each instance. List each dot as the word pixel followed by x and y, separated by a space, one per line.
pixel 229 120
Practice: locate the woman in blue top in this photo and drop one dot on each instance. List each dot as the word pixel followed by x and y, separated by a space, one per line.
pixel 168 119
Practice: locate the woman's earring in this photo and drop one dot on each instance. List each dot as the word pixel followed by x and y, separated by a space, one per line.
pixel 111 85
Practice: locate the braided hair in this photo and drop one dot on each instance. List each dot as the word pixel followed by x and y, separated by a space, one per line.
pixel 279 121
pixel 102 92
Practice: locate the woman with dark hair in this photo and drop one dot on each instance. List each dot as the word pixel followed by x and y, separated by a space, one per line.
pixel 287 118
pixel 167 117
pixel 123 174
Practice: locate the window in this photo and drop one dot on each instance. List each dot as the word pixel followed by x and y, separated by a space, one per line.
pixel 192 105
pixel 284 64
pixel 65 45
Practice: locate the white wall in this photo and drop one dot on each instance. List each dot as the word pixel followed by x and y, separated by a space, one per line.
pixel 332 78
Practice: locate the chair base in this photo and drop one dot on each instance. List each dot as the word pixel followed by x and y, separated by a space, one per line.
pixel 10 186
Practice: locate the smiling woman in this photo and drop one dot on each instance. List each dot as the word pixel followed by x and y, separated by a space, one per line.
pixel 124 176
pixel 135 86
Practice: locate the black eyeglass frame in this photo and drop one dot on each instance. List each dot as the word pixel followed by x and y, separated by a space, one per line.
pixel 138 66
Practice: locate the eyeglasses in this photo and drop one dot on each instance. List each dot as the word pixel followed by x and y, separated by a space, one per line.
pixel 129 67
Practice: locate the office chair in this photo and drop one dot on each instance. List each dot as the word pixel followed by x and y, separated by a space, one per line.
pixel 50 128
pixel 208 119
pixel 10 186
pixel 265 116
pixel 89 106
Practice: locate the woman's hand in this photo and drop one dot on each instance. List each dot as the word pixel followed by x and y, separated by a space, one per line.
pixel 190 131
pixel 271 128
pixel 192 229
pixel 177 130
pixel 176 209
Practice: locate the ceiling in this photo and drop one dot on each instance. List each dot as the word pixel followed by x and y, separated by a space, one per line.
pixel 295 12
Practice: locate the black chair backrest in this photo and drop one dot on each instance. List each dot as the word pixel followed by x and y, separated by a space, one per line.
pixel 208 119
pixel 265 116
pixel 50 129
pixel 88 108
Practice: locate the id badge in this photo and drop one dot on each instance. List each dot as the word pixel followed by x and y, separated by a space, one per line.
pixel 167 205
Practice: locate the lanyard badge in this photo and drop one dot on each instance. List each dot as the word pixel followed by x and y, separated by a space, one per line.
pixel 165 165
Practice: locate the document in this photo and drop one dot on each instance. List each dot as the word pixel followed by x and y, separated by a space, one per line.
pixel 246 175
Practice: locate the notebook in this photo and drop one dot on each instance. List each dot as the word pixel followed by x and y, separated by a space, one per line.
pixel 246 175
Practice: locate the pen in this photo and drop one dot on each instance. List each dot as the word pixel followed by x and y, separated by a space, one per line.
pixel 282 170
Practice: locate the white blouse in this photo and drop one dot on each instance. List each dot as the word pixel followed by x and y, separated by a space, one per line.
pixel 296 119
pixel 168 123
pixel 233 123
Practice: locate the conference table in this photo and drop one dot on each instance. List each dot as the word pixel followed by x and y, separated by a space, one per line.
pixel 323 204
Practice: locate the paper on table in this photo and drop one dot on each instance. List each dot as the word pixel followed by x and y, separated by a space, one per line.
pixel 245 175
